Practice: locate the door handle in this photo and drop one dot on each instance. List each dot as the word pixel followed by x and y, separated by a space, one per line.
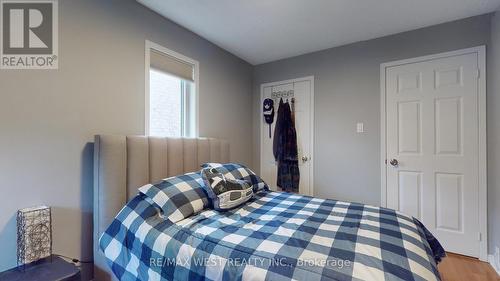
pixel 304 159
pixel 394 162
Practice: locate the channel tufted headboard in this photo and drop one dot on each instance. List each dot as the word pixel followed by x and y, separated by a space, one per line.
pixel 122 164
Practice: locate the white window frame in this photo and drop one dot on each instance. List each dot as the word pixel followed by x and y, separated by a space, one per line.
pixel 194 93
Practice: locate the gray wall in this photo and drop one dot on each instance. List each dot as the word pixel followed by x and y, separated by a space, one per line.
pixel 48 118
pixel 347 90
pixel 493 100
pixel 347 83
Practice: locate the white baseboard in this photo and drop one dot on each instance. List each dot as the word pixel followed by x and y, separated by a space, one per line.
pixel 491 260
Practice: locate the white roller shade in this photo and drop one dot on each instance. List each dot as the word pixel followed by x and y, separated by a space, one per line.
pixel 171 65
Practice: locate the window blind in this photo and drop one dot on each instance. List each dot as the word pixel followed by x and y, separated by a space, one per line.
pixel 171 65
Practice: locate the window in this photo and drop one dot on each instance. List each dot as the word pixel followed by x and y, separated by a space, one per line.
pixel 170 93
pixel 167 105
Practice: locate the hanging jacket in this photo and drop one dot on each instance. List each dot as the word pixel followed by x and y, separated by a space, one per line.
pixel 278 128
pixel 285 149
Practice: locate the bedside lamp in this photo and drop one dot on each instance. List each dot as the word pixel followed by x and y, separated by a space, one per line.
pixel 34 234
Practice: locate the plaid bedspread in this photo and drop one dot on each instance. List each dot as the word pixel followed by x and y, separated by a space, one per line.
pixel 275 236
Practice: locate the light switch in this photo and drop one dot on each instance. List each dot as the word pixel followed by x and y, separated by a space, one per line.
pixel 360 128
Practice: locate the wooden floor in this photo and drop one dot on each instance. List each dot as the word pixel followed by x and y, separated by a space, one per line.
pixel 457 268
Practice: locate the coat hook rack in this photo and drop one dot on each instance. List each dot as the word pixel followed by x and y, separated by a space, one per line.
pixel 282 94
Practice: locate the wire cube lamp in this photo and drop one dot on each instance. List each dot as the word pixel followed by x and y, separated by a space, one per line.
pixel 34 234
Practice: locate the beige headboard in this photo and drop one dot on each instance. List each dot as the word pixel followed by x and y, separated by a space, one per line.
pixel 122 164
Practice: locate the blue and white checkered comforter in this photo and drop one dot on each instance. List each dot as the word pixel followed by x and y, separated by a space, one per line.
pixel 276 236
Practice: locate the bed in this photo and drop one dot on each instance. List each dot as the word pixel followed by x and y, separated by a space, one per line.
pixel 274 236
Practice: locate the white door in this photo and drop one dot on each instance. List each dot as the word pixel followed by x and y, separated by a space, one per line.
pixel 432 136
pixel 303 94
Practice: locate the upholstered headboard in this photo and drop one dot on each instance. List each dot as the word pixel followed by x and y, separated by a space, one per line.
pixel 122 164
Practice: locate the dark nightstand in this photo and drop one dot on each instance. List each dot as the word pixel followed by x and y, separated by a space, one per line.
pixel 57 270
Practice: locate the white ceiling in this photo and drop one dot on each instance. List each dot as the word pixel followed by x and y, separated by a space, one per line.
pixel 260 31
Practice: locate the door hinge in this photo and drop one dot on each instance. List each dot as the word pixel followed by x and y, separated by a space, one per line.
pixel 478 73
pixel 479 236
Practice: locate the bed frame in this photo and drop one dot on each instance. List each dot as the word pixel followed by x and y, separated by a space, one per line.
pixel 122 164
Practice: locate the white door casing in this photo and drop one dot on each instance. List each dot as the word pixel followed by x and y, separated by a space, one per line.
pixel 304 121
pixel 433 124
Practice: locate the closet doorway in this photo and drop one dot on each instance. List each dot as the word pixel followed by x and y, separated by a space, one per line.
pixel 434 145
pixel 302 91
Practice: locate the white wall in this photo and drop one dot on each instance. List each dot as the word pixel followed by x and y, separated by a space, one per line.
pixel 48 118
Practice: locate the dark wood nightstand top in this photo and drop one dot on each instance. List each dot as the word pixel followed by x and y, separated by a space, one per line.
pixel 57 270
